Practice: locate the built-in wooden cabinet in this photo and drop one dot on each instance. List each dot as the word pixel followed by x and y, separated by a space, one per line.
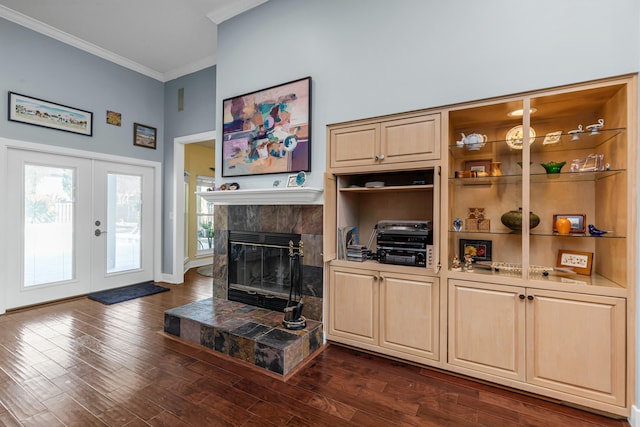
pixel 566 342
pixel 396 314
pixel 539 311
pixel 384 144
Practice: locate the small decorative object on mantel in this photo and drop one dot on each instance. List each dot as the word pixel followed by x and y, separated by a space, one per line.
pixel 297 180
pixel 513 220
pixel 553 167
pixel 276 183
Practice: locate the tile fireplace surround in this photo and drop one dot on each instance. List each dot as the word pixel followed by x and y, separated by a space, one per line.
pixel 250 334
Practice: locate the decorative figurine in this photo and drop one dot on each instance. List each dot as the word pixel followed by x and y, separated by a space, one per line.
pixel 468 262
pixel 595 232
pixel 457 224
pixel 456 265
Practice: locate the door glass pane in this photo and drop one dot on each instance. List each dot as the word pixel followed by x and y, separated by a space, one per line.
pixel 124 214
pixel 48 224
pixel 204 215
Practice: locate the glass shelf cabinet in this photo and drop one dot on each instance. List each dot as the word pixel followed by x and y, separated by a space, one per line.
pixel 499 153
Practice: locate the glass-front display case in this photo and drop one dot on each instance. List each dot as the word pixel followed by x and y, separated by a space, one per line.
pixel 538 187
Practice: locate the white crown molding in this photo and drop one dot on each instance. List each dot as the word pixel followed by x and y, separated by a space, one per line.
pixel 209 61
pixel 47 30
pixel 221 14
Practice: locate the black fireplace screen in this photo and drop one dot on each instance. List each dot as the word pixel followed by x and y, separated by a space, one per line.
pixel 259 267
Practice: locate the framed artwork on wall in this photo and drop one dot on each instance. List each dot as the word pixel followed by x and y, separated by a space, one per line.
pixel 34 111
pixel 144 136
pixel 268 131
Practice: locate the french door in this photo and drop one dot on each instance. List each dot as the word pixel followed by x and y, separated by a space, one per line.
pixel 76 225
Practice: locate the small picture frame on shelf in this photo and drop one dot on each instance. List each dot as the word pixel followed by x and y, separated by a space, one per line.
pixel 480 250
pixel 478 165
pixel 577 222
pixel 578 261
pixel 297 180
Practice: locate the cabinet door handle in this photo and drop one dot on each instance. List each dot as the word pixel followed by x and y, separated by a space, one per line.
pixel 530 297
pixel 375 278
pixel 381 157
pixel 521 296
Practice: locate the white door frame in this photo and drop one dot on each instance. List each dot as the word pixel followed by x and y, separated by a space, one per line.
pixel 6 144
pixel 178 201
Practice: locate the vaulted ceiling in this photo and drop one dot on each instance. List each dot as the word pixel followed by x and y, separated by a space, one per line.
pixel 163 39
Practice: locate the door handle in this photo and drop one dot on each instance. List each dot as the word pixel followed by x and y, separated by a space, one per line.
pixel 98 232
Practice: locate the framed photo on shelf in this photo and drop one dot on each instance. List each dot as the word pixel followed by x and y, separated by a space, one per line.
pixel 577 222
pixel 478 165
pixel 480 250
pixel 578 261
pixel 34 111
pixel 268 131
pixel 144 136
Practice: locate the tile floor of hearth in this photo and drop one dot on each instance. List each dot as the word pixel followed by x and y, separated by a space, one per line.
pixel 250 334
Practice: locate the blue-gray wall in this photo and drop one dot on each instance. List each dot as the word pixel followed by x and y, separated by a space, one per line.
pixel 41 67
pixel 375 57
pixel 197 116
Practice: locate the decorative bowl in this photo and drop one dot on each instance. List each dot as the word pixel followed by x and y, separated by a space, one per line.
pixel 513 220
pixel 553 167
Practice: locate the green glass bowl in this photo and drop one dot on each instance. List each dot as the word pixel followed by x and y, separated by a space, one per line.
pixel 553 167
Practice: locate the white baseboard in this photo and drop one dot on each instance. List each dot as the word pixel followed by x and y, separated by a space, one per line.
pixel 635 416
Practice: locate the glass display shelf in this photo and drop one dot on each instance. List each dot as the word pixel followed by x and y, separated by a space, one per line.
pixel 536 177
pixel 566 142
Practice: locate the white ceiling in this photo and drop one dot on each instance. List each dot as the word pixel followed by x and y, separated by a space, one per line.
pixel 163 39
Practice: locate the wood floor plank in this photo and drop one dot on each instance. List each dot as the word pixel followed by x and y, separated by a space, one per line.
pixel 82 363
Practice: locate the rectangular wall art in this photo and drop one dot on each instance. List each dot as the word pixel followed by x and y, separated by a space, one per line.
pixel 268 131
pixel 37 112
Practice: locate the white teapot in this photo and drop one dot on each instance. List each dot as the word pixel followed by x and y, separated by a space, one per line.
pixel 474 141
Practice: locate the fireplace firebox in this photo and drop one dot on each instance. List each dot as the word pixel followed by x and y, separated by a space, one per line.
pixel 260 269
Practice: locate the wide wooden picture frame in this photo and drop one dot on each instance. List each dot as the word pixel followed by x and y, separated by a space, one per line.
pixel 144 136
pixel 268 131
pixel 578 261
pixel 38 112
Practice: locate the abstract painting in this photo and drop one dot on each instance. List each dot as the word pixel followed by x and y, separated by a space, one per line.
pixel 268 131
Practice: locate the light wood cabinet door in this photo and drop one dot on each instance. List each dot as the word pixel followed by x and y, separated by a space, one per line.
pixel 354 146
pixel 409 307
pixel 353 305
pixel 486 328
pixel 576 344
pixel 413 139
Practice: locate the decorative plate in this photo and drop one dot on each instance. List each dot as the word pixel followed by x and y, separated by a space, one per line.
pixel 516 135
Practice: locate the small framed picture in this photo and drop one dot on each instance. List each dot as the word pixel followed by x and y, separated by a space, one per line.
pixel 577 222
pixel 144 136
pixel 480 250
pixel 478 165
pixel 578 261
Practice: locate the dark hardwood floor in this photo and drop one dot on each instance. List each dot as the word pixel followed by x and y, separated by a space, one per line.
pixel 81 363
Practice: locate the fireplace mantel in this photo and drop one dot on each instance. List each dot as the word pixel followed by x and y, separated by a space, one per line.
pixel 265 196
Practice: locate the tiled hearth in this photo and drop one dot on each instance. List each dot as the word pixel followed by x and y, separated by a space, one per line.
pixel 243 332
